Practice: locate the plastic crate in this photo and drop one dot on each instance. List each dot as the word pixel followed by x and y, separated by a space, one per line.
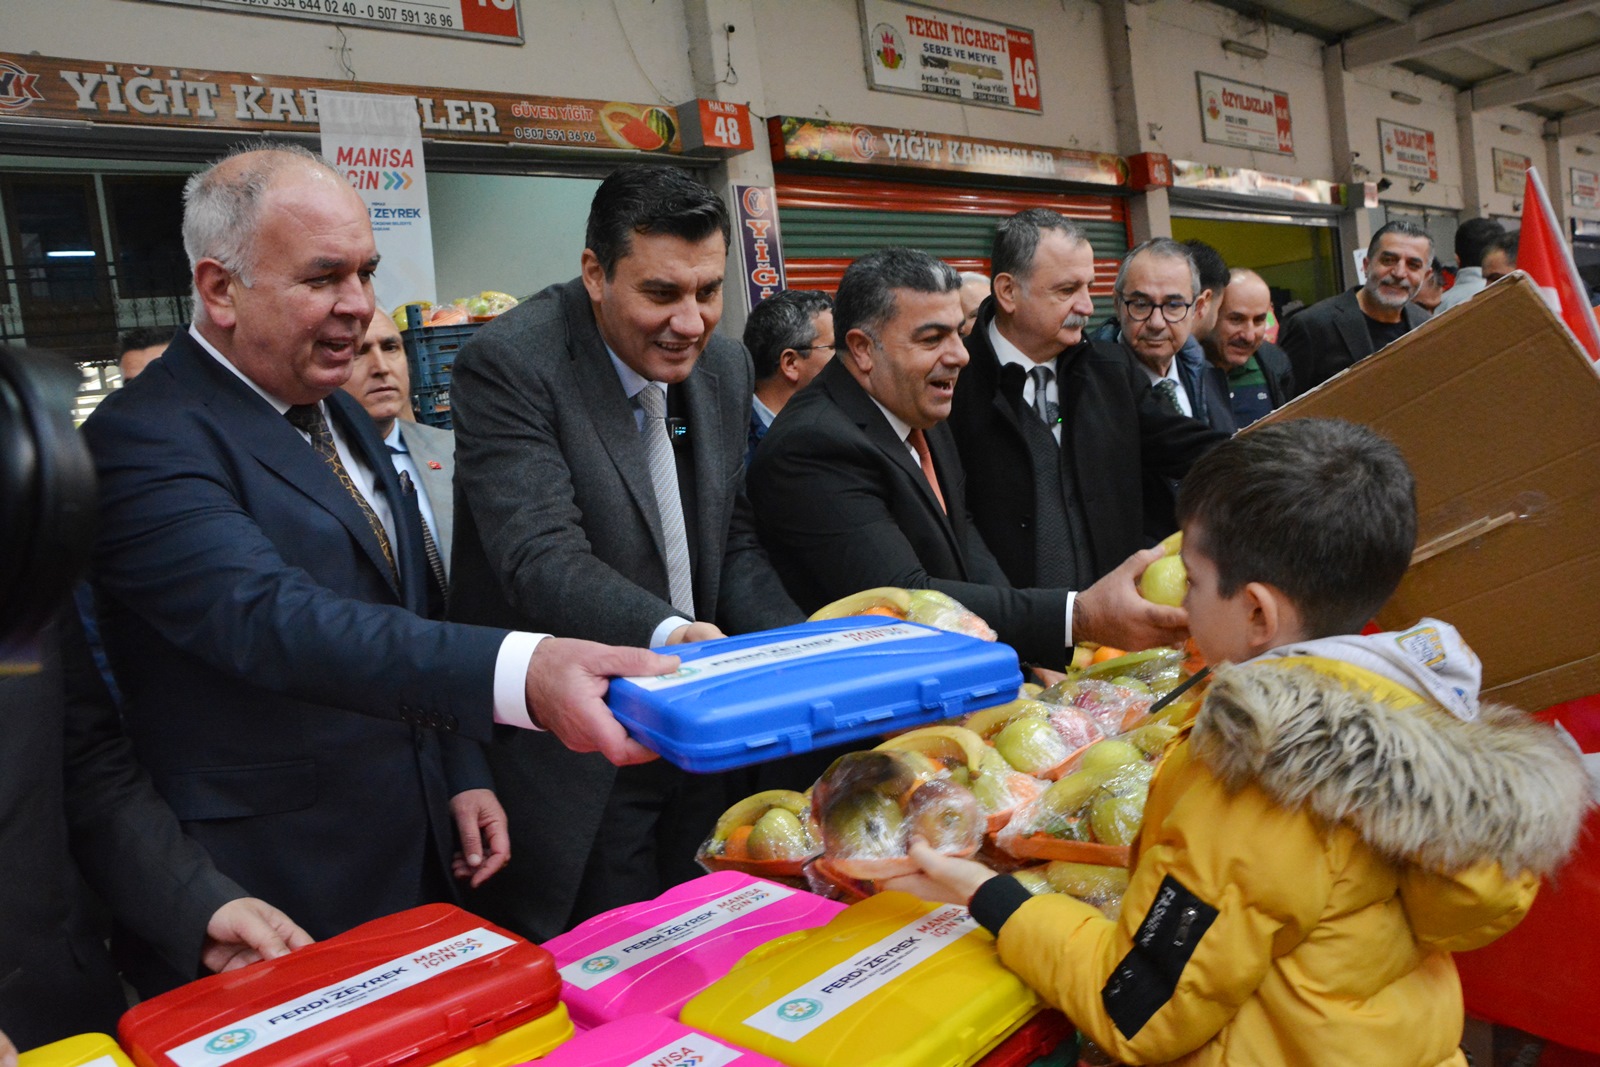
pixel 431 357
pixel 432 406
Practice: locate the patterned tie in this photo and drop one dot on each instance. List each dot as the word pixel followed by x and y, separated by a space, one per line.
pixel 1045 408
pixel 1167 396
pixel 430 547
pixel 307 418
pixel 664 477
pixel 919 443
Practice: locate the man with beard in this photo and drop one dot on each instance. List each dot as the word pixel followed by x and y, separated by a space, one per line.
pixel 1331 335
pixel 1057 432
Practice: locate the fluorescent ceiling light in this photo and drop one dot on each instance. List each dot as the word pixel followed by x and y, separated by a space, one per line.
pixel 71 253
pixel 1241 48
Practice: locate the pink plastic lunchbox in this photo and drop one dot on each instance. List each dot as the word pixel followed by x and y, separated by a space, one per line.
pixel 650 1041
pixel 651 958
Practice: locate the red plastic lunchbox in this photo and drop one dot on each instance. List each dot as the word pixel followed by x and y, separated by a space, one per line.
pixel 412 988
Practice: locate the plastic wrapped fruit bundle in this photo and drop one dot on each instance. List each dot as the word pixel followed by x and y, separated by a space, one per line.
pixel 1094 813
pixel 963 757
pixel 1095 884
pixel 770 834
pixel 1037 737
pixel 927 606
pixel 870 804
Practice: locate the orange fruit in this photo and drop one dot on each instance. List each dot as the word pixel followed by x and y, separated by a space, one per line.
pixel 737 846
pixel 882 610
pixel 1105 652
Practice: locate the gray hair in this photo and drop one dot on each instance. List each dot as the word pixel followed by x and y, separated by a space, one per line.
pixel 1016 239
pixel 1164 248
pixel 865 300
pixel 221 208
pixel 973 277
pixel 1402 228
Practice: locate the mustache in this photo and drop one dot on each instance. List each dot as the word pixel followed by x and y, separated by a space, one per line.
pixel 1074 322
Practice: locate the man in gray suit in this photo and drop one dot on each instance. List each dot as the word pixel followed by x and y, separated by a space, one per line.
pixel 600 431
pixel 423 456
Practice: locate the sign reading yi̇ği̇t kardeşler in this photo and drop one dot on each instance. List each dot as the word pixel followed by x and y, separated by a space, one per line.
pixel 1244 115
pixel 926 51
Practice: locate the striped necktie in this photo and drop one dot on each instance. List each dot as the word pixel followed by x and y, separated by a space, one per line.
pixel 669 504
pixel 308 419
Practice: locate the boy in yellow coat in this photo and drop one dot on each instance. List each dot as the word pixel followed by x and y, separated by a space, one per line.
pixel 1340 817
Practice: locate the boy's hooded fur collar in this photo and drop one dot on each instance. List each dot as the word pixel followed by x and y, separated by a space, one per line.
pixel 1418 784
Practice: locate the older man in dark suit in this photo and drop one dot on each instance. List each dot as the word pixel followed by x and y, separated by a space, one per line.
pixel 1336 333
pixel 263 582
pixel 600 438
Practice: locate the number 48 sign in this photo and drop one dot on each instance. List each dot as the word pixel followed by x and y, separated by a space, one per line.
pixel 490 20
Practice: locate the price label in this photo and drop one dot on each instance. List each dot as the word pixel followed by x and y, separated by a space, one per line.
pixel 495 20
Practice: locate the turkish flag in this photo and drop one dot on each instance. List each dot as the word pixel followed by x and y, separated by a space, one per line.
pixel 1543 255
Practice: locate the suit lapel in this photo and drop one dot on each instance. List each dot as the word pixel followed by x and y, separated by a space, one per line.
pixel 855 402
pixel 439 483
pixel 608 407
pixel 257 427
pixel 1353 328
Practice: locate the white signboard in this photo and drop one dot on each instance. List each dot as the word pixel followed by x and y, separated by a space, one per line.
pixel 1585 187
pixel 1244 115
pixel 491 20
pixel 929 52
pixel 1408 152
pixel 376 142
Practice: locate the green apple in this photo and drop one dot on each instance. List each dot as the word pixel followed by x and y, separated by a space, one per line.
pixel 946 816
pixel 1031 744
pixel 1109 757
pixel 1115 818
pixel 1034 881
pixel 864 825
pixel 778 835
pixel 1165 581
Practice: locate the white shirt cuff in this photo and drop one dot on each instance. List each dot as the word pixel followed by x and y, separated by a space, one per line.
pixel 1070 598
pixel 664 631
pixel 511 680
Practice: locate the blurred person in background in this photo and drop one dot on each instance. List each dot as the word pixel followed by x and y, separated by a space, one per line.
pixel 1259 378
pixel 1499 258
pixel 790 338
pixel 139 346
pixel 1473 238
pixel 974 291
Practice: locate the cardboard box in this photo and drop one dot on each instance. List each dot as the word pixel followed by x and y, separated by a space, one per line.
pixel 1497 410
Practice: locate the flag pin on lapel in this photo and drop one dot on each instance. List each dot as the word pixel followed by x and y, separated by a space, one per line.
pixel 433 464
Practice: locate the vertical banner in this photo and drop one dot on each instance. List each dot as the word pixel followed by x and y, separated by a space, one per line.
pixel 760 253
pixel 376 142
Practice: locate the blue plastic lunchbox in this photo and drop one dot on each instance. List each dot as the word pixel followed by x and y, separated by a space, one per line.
pixel 738 701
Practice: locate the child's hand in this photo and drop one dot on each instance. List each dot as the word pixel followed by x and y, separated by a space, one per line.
pixel 943 878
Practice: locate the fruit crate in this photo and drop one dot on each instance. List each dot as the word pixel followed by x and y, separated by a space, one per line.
pixel 431 356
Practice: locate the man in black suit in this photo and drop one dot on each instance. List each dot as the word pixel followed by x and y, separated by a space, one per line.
pixel 859 482
pixel 264 588
pixel 1056 433
pixel 600 442
pixel 790 338
pixel 1259 378
pixel 1335 333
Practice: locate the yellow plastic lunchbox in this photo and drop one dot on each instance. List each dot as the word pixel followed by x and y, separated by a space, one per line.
pixel 81 1050
pixel 892 981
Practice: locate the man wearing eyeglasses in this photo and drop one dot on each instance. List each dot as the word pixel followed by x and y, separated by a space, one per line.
pixel 790 338
pixel 1159 301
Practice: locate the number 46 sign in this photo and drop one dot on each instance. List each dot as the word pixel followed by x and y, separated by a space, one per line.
pixel 936 52
pixel 491 20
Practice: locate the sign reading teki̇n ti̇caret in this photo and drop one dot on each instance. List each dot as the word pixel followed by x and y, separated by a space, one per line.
pixel 1244 115
pixel 928 52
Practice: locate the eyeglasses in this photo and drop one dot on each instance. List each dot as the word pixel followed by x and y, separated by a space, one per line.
pixel 1139 309
pixel 816 348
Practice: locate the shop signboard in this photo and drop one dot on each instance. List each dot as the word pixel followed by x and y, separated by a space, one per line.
pixel 376 142
pixel 1245 115
pixel 488 20
pixel 760 252
pixel 49 89
pixel 1585 188
pixel 1408 152
pixel 820 140
pixel 926 51
pixel 1241 181
pixel 1510 172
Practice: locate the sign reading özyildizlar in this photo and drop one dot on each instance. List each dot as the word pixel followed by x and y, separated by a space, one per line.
pixel 1245 115
pixel 928 51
